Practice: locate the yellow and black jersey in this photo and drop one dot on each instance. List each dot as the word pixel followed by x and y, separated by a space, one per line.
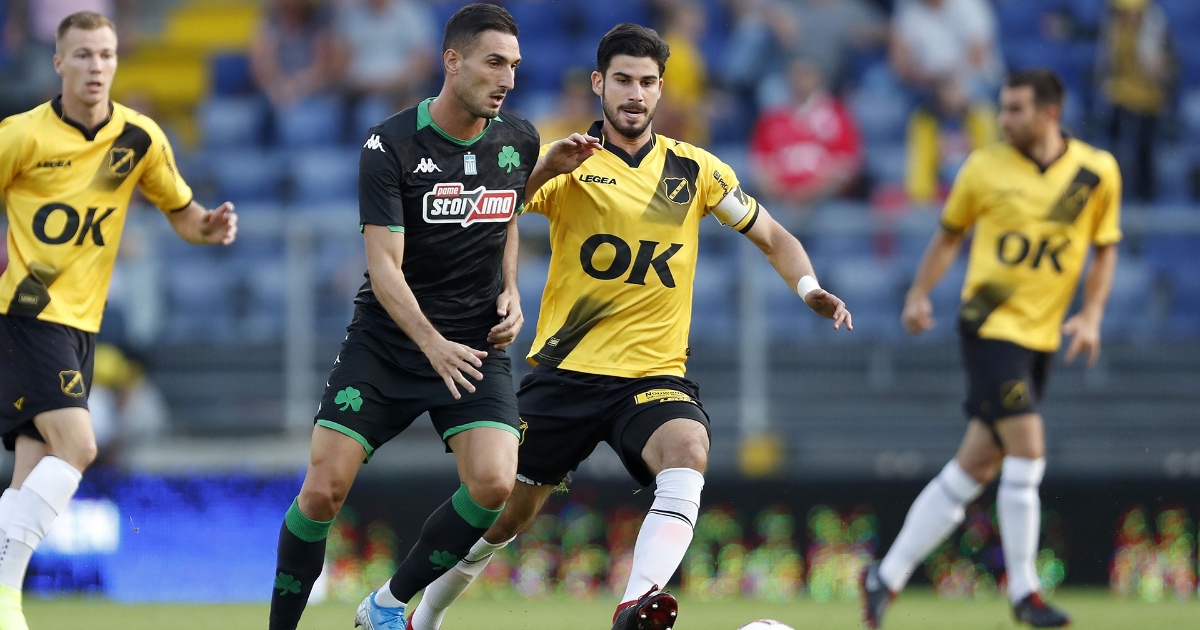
pixel 1032 231
pixel 624 234
pixel 67 190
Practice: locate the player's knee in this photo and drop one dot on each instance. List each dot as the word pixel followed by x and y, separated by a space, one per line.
pixel 78 453
pixel 491 490
pixel 321 501
pixel 691 452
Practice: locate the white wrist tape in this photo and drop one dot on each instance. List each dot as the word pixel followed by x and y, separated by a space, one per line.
pixel 806 285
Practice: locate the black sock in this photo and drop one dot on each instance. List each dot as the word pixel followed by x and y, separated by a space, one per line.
pixel 446 537
pixel 300 558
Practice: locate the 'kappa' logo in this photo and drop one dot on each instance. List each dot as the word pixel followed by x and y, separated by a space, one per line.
pixel 451 203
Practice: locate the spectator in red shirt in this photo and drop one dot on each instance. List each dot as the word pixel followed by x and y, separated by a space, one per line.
pixel 809 149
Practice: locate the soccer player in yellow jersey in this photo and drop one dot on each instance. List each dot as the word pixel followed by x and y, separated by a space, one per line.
pixel 612 336
pixel 67 170
pixel 1036 204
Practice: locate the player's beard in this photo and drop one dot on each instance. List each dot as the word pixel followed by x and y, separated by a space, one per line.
pixel 612 111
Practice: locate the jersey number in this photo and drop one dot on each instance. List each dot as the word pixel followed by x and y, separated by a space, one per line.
pixel 71 226
pixel 1014 248
pixel 623 259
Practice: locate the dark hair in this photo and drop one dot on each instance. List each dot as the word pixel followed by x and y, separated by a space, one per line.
pixel 83 20
pixel 632 40
pixel 471 21
pixel 1047 85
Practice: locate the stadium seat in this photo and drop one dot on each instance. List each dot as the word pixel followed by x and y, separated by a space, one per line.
pixel 873 291
pixel 836 229
pixel 1183 317
pixel 315 122
pixel 246 175
pixel 713 309
pixel 1020 18
pixel 319 177
pixel 198 302
pixel 1183 15
pixel 230 74
pixel 1174 163
pixel 946 298
pixel 882 118
pixel 1129 314
pixel 887 164
pixel 599 17
pixel 232 122
pixel 531 280
pixel 263 317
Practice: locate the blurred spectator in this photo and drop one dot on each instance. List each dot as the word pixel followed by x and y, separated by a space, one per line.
pixel 808 149
pixel 828 31
pixel 390 46
pixel 683 111
pixel 294 54
pixel 30 30
pixel 942 132
pixel 1137 70
pixel 945 52
pixel 576 108
pixel 127 408
pixel 934 41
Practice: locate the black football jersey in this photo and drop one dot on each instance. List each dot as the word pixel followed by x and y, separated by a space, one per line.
pixel 453 200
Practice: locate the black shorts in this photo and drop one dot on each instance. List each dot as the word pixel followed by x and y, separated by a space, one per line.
pixel 565 414
pixel 372 397
pixel 1003 378
pixel 43 366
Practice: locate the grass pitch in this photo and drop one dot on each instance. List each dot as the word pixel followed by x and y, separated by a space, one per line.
pixel 1092 609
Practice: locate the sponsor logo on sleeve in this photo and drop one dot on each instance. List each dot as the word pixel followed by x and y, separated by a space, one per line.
pixel 453 203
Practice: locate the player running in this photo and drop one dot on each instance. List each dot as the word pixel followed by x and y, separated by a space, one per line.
pixel 1036 202
pixel 613 333
pixel 67 171
pixel 439 184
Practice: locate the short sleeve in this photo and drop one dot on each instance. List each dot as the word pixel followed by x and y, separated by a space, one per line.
pixel 380 197
pixel 1108 223
pixel 717 181
pixel 962 208
pixel 10 154
pixel 725 198
pixel 161 182
pixel 544 200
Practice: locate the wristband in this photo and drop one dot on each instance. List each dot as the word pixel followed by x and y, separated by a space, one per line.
pixel 806 285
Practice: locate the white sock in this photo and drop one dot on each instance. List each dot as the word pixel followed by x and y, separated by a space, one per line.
pixel 7 505
pixel 666 532
pixel 453 583
pixel 384 597
pixel 44 495
pixel 1020 510
pixel 936 512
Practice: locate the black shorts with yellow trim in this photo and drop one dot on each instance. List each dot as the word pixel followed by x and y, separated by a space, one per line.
pixel 566 414
pixel 1003 378
pixel 373 397
pixel 43 366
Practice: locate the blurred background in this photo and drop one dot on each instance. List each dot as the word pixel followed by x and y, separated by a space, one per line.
pixel 847 118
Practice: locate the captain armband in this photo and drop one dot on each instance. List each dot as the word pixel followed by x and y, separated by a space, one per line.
pixel 737 210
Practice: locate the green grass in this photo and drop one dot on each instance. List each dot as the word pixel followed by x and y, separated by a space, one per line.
pixel 919 609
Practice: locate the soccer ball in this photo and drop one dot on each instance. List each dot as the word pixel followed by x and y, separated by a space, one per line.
pixel 766 624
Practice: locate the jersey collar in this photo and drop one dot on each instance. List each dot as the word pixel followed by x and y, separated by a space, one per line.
pixel 634 161
pixel 1067 146
pixel 89 134
pixel 425 119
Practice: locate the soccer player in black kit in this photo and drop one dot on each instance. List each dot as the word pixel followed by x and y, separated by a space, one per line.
pixel 439 187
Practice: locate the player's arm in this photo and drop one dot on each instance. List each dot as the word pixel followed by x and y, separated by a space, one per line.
pixel 939 255
pixel 560 158
pixel 385 257
pixel 787 256
pixel 508 305
pixel 197 225
pixel 1084 326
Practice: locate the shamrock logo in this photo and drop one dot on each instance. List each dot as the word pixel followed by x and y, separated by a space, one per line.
pixel 443 560
pixel 349 397
pixel 509 157
pixel 287 584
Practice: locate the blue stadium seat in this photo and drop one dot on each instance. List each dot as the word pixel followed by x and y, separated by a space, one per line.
pixel 531 280
pixel 232 122
pixel 1174 162
pixel 263 320
pixel 1088 13
pixel 912 234
pixel 1020 18
pixel 1129 314
pixel 330 175
pixel 599 17
pixel 873 290
pixel 315 122
pixel 543 17
pixel 230 74
pixel 837 229
pixel 887 164
pixel 1183 318
pixel 946 298
pixel 198 302
pixel 1189 58
pixel 882 118
pixel 246 175
pixel 714 302
pixel 1184 17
